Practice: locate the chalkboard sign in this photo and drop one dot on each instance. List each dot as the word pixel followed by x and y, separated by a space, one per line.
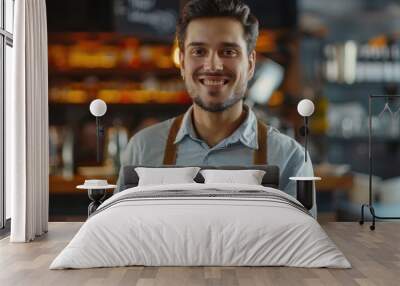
pixel 147 18
pixel 276 14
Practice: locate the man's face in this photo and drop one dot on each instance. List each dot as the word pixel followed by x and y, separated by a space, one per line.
pixel 215 63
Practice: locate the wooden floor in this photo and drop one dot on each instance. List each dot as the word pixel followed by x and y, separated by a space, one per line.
pixel 375 256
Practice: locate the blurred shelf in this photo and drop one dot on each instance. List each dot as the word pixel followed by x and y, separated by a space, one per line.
pixel 364 139
pixel 60 185
pixel 68 218
pixel 113 72
pixel 358 83
pixel 331 183
pixel 172 107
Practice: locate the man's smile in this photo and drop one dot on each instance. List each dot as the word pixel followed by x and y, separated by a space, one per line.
pixel 214 81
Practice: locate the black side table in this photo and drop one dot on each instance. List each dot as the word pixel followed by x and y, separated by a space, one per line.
pixel 304 190
pixel 97 191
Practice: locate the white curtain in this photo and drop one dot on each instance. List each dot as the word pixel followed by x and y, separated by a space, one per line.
pixel 27 124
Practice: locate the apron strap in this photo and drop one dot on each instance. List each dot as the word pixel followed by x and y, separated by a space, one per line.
pixel 260 155
pixel 170 148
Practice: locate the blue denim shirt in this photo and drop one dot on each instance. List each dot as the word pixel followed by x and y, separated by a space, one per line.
pixel 147 148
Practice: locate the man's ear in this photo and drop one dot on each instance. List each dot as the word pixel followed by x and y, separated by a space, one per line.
pixel 182 63
pixel 252 64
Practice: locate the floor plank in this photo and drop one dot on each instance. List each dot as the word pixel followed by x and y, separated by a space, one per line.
pixel 374 255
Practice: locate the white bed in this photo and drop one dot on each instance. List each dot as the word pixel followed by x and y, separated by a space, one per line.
pixel 224 225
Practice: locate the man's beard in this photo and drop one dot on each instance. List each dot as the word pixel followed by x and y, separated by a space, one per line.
pixel 238 95
pixel 218 107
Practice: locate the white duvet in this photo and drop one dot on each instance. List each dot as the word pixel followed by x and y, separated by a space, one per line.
pixel 182 231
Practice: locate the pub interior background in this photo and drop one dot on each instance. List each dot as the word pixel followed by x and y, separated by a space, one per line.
pixel 335 53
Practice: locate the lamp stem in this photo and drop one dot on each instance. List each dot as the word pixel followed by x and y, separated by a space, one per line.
pixel 98 138
pixel 306 135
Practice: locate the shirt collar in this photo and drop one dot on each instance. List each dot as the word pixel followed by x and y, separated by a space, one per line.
pixel 246 133
pixel 186 128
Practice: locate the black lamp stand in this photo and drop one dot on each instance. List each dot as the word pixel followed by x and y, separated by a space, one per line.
pixel 306 136
pixel 99 139
pixel 97 196
pixel 305 185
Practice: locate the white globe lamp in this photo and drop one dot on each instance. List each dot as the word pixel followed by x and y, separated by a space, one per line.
pixel 305 107
pixel 98 107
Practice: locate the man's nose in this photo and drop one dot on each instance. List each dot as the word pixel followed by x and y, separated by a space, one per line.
pixel 213 63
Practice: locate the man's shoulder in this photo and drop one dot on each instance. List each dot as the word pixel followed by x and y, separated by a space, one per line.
pixel 152 134
pixel 282 140
pixel 146 145
pixel 155 129
pixel 288 154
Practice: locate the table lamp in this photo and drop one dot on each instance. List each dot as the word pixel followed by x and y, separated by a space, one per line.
pixel 305 108
pixel 98 108
pixel 97 188
pixel 304 188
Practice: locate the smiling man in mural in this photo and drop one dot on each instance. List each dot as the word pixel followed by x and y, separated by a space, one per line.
pixel 217 59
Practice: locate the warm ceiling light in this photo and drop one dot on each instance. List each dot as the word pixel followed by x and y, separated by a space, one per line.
pixel 175 53
pixel 175 56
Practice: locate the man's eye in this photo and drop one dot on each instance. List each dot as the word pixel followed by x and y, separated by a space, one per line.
pixel 198 52
pixel 230 53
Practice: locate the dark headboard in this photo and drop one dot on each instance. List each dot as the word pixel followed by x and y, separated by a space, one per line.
pixel 270 179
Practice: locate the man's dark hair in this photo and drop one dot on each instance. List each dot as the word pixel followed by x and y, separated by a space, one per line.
pixel 236 9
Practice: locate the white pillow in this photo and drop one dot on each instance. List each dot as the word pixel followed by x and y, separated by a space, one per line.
pixel 248 177
pixel 163 176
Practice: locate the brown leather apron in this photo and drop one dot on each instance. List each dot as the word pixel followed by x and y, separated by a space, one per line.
pixel 259 158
